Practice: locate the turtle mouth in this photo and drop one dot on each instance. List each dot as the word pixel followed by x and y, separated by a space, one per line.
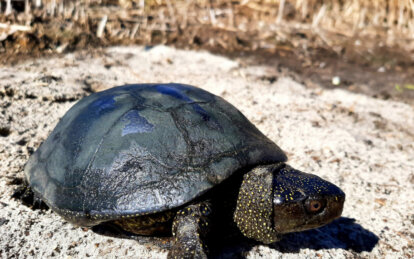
pixel 336 207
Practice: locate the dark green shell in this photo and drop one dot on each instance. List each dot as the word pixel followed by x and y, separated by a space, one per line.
pixel 139 149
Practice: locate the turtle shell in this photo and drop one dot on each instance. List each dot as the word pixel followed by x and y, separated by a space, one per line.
pixel 143 148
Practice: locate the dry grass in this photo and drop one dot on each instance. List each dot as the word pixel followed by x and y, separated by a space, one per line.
pixel 331 24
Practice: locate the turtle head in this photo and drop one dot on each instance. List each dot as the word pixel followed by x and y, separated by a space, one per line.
pixel 277 199
pixel 303 201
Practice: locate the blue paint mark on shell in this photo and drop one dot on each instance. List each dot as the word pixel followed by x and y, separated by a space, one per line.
pixel 176 93
pixel 173 91
pixel 136 123
pixel 103 104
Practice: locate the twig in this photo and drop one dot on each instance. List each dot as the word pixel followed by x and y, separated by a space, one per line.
pixel 134 30
pixel 15 27
pixel 319 16
pixel 231 21
pixel 26 6
pixel 211 13
pixel 8 8
pixel 141 4
pixel 101 26
pixel 38 3
pixel 52 8
pixel 186 9
pixel 280 12
pixel 172 13
pixel 11 28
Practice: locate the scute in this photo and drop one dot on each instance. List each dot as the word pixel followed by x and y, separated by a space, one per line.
pixel 138 149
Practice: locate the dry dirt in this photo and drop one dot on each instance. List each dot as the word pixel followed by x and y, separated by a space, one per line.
pixel 364 145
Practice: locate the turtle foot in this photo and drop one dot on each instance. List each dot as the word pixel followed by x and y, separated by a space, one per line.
pixel 28 197
pixel 187 249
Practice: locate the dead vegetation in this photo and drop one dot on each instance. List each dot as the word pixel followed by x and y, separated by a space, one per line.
pixel 58 25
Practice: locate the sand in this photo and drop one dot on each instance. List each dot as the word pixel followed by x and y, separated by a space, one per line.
pixel 362 144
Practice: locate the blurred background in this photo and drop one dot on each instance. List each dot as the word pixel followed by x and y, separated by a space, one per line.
pixel 362 45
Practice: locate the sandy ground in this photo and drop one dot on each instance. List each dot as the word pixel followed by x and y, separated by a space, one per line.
pixel 362 144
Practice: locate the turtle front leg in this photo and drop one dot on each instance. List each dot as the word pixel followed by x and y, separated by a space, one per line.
pixel 190 228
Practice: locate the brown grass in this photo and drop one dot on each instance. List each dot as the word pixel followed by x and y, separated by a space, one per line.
pixel 332 24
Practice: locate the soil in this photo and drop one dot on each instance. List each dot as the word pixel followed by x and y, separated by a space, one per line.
pixel 391 81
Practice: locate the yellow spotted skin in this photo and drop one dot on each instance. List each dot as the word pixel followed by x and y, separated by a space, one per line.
pixel 278 199
pixel 295 195
pixel 190 228
pixel 253 214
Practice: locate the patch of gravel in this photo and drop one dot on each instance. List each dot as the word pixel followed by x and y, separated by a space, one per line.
pixel 364 145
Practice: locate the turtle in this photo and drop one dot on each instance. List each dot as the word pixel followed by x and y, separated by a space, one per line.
pixel 176 161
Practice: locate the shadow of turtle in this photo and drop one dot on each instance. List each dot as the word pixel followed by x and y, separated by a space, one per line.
pixel 342 233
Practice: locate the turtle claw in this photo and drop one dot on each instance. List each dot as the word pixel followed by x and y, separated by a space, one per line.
pixel 28 197
pixel 187 250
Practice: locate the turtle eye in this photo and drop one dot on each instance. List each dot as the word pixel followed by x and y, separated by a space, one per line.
pixel 315 206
